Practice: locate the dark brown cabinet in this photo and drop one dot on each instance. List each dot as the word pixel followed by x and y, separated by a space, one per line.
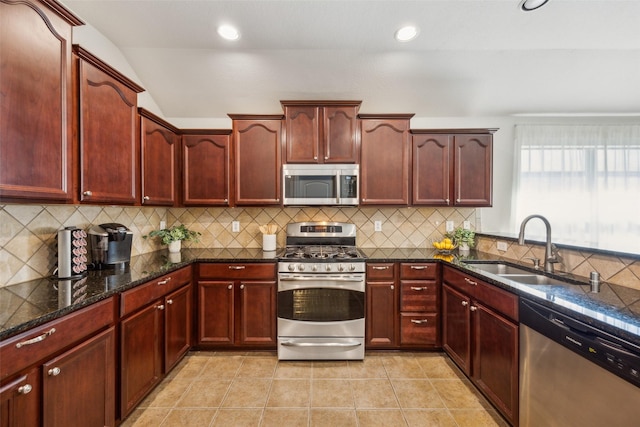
pixel 480 334
pixel 381 318
pixel 321 132
pixel 108 127
pixel 36 112
pixel 160 167
pixel 155 332
pixel 20 400
pixel 419 305
pixel 385 159
pixel 237 305
pixel 207 166
pixel 452 167
pixel 257 144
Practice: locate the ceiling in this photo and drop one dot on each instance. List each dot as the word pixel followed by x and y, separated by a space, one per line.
pixel 472 58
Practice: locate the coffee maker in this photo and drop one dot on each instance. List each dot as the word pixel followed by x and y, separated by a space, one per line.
pixel 110 246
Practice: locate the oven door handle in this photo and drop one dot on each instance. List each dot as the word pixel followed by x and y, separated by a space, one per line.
pixel 315 279
pixel 320 344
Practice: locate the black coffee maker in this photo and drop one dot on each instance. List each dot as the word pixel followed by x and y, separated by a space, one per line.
pixel 110 246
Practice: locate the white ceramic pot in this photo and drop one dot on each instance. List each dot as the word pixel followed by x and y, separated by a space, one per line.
pixel 175 247
pixel 268 242
pixel 463 248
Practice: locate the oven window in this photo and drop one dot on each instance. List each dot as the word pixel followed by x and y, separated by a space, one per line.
pixel 311 187
pixel 321 305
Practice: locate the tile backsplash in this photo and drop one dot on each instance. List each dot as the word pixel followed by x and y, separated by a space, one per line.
pixel 28 234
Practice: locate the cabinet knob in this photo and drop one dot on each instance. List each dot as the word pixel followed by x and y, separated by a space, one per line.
pixel 87 193
pixel 241 286
pixel 446 200
pixel 326 157
pixel 473 308
pixel 226 200
pixel 315 157
pixel 458 200
pixel 465 303
pixel 392 287
pixel 146 198
pixel 230 287
pixel 169 301
pixel 160 307
pixel 25 389
pixel 54 372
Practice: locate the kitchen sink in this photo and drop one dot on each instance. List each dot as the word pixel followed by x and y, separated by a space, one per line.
pixel 498 268
pixel 515 274
pixel 531 279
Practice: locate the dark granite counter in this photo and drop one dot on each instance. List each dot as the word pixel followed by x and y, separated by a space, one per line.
pixel 615 309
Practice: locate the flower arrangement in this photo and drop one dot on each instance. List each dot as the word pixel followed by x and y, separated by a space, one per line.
pixel 462 236
pixel 176 233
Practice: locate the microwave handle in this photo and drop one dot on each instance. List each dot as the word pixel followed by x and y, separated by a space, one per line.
pixel 338 182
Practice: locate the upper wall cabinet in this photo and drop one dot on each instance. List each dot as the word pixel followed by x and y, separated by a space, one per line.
pixel 206 157
pixel 36 102
pixel 159 150
pixel 257 147
pixel 452 167
pixel 321 131
pixel 385 159
pixel 109 150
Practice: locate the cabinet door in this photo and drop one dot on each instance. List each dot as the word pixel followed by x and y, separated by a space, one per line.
pixel 341 134
pixel 207 161
pixel 36 109
pixel 20 401
pixel 79 385
pixel 456 327
pixel 178 325
pixel 473 170
pixel 257 325
pixel 215 312
pixel 495 359
pixel 159 150
pixel 109 150
pixel 432 161
pixel 140 355
pixel 384 165
pixel 302 134
pixel 257 145
pixel 382 314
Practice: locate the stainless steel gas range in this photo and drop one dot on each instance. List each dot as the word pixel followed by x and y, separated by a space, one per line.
pixel 321 293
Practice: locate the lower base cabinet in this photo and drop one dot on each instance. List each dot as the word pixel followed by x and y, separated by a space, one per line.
pixel 20 400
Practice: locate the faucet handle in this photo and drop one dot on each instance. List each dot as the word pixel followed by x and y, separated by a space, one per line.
pixel 536 262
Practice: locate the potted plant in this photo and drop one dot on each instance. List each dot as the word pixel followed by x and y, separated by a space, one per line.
pixel 464 238
pixel 174 236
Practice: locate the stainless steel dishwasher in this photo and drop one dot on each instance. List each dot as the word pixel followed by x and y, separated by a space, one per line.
pixel 572 374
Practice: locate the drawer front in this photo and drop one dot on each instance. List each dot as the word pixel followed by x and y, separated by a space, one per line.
pixel 418 295
pixel 138 297
pixel 381 271
pixel 419 329
pixel 496 298
pixel 35 345
pixel 238 271
pixel 418 270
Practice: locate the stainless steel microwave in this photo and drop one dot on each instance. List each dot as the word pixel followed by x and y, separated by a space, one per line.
pixel 321 184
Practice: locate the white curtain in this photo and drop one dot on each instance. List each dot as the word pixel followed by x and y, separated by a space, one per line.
pixel 584 179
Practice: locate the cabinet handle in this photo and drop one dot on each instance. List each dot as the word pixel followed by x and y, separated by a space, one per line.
pixel 226 200
pixel 384 267
pixel 169 301
pixel 458 200
pixel 315 157
pixel 419 288
pixel 36 339
pixel 87 193
pixel 160 307
pixel 465 303
pixel 471 282
pixel 419 321
pixel 230 287
pixel 146 198
pixel 25 389
pixel 419 267
pixel 446 200
pixel 236 267
pixel 165 281
pixel 326 157
pixel 54 372
pixel 473 308
pixel 241 286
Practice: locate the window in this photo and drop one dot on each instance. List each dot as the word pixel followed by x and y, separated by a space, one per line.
pixel 584 179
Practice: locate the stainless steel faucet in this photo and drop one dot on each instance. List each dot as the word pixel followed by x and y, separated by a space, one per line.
pixel 550 252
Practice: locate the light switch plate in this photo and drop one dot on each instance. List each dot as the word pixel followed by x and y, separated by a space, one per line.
pixel 235 226
pixel 449 226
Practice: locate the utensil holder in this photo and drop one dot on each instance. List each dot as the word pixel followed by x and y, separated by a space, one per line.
pixel 268 242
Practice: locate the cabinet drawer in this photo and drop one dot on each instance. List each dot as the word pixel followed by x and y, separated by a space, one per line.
pixel 380 271
pixel 30 347
pixel 418 270
pixel 138 297
pixel 419 329
pixel 241 270
pixel 418 295
pixel 496 298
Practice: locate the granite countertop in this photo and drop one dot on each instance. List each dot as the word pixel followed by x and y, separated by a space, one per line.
pixel 615 309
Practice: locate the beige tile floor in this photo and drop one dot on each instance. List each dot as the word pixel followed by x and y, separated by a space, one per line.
pixel 255 389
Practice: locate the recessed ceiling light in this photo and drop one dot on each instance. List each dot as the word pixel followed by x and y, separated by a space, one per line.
pixel 407 33
pixel 228 32
pixel 529 5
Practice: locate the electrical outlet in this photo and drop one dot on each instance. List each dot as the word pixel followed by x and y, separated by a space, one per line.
pixel 235 226
pixel 449 226
pixel 163 225
pixel 377 226
pixel 502 246
pixel 466 225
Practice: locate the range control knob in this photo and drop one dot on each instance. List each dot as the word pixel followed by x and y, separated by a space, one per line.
pixel 340 267
pixel 314 267
pixel 292 267
pixel 352 267
pixel 327 267
pixel 301 267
